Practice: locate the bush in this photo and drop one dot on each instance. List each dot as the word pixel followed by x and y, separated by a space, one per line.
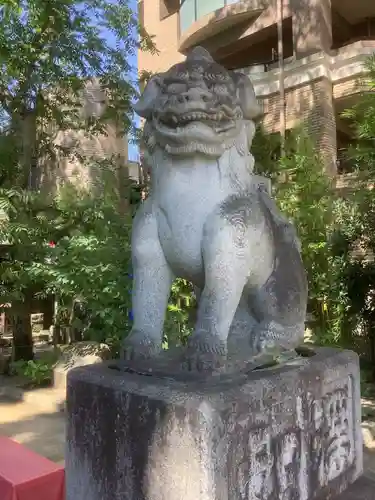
pixel 305 195
pixel 179 321
pixel 36 372
pixel 89 269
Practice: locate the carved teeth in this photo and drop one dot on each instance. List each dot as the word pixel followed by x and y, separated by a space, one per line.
pixel 228 110
pixel 194 147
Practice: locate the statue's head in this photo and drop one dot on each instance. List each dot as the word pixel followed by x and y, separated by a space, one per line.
pixel 197 106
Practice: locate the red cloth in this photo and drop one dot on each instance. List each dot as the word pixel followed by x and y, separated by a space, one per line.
pixel 24 475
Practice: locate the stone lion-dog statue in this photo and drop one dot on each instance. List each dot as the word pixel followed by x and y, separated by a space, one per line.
pixel 209 220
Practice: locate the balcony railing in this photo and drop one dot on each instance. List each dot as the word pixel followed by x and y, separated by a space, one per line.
pixel 259 69
pixel 192 10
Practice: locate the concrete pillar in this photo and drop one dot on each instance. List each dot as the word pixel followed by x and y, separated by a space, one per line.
pixel 312 26
pixel 310 105
pixel 322 124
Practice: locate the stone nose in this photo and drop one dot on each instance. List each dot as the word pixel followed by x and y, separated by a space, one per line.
pixel 195 94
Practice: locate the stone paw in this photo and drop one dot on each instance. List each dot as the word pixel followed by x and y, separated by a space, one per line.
pixel 139 345
pixel 272 338
pixel 206 353
pixel 267 337
pixel 264 345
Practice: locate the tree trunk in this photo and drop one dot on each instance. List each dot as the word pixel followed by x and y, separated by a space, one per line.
pixel 22 333
pixel 55 335
pixel 372 354
pixel 48 312
pixel 370 333
pixel 24 126
pixel 28 156
pixel 2 323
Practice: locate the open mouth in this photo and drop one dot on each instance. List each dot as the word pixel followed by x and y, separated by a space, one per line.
pixel 187 132
pixel 224 114
pixel 206 127
pixel 218 122
pixel 173 120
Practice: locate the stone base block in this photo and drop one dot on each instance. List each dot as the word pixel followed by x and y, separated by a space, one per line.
pixel 286 433
pixel 362 489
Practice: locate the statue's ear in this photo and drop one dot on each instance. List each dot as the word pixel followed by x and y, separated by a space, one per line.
pixel 145 105
pixel 246 96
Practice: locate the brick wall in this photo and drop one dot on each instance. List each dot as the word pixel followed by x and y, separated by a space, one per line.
pixel 323 123
pixel 310 105
pixel 68 169
pixel 348 87
pixel 100 147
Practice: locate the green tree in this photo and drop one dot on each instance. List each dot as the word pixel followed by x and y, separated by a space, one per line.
pixel 362 116
pixel 180 315
pixel 90 269
pixel 355 217
pixel 336 229
pixel 304 193
pixel 266 151
pixel 49 51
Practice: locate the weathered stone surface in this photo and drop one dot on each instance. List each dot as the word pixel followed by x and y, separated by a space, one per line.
pixel 78 354
pixel 362 489
pixel 210 220
pixel 290 433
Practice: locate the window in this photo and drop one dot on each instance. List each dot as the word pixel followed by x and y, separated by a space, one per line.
pixel 192 10
pixel 168 8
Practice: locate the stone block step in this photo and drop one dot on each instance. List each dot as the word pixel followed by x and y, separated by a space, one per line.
pixel 362 489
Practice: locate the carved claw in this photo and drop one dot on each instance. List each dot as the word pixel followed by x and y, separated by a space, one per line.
pixel 206 353
pixel 264 344
pixel 206 343
pixel 271 337
pixel 139 345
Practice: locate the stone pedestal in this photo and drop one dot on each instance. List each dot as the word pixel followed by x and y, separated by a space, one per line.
pixel 287 433
pixel 362 489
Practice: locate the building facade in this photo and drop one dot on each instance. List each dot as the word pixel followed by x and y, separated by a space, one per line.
pixel 79 145
pixel 324 45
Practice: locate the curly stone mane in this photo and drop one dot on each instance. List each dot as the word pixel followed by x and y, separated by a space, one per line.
pixel 197 106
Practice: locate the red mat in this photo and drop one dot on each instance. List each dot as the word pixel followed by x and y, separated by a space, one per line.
pixel 24 475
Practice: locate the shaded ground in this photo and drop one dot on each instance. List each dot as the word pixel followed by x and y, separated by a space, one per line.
pixel 41 431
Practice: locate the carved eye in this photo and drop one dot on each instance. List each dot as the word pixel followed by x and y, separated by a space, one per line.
pixel 220 89
pixel 197 68
pixel 182 75
pixel 176 88
pixel 218 76
pixel 163 101
pixel 223 77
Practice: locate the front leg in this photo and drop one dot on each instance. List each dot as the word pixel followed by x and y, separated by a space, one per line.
pixel 152 280
pixel 235 244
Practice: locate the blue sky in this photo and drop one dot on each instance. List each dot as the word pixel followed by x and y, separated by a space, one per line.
pixel 133 150
pixel 133 60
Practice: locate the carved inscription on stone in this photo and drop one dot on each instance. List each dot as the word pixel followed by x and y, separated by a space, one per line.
pixel 274 465
pixel 339 432
pixel 287 466
pixel 292 462
pixel 261 482
pixel 330 437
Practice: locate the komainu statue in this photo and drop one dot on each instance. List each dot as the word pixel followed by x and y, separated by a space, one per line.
pixel 209 220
